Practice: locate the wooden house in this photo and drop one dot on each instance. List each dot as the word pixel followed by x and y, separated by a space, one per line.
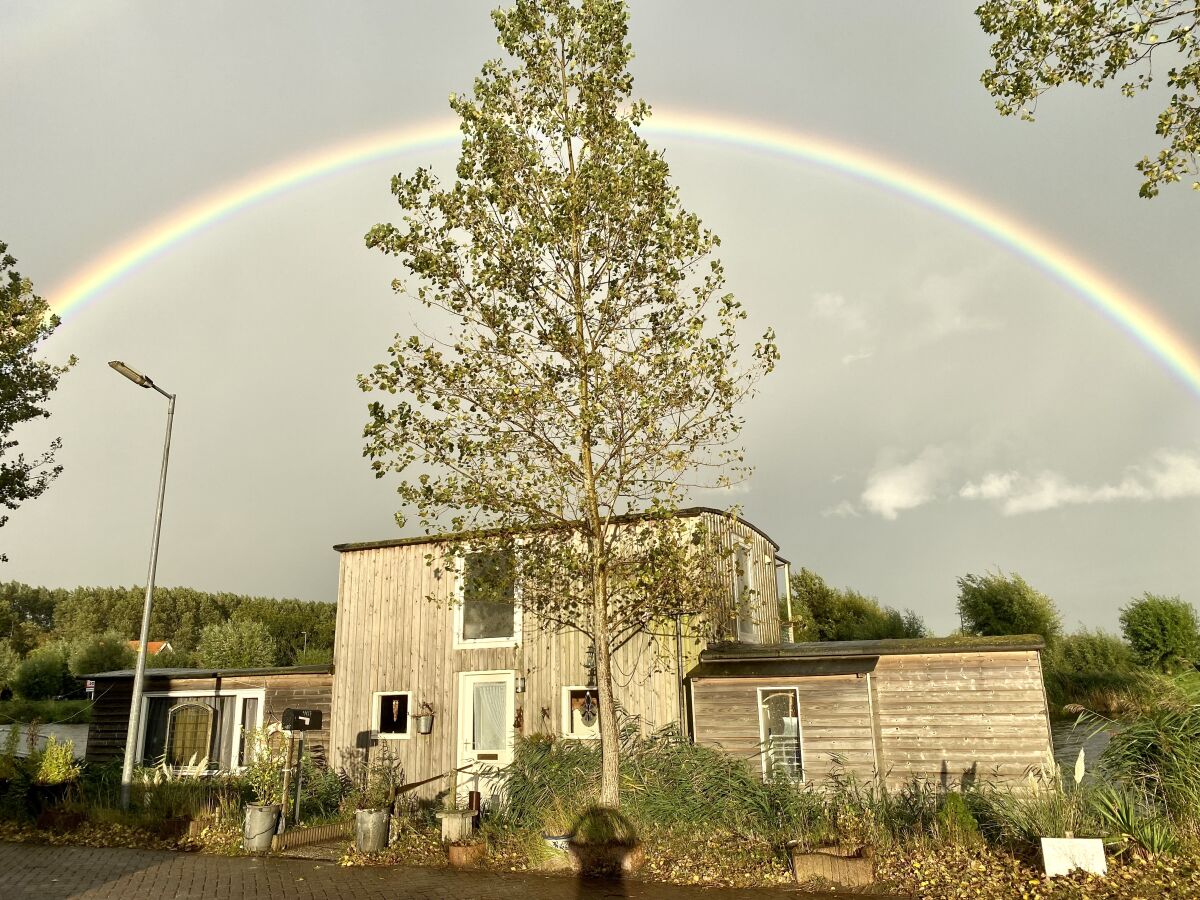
pixel 204 713
pixel 945 710
pixel 410 639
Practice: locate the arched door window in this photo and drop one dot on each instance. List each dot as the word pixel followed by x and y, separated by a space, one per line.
pixel 189 734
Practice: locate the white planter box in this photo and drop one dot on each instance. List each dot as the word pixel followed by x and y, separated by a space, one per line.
pixel 1062 856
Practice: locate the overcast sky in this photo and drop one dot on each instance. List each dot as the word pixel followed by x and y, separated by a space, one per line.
pixel 942 407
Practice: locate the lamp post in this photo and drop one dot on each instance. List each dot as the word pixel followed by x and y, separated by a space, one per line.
pixel 139 674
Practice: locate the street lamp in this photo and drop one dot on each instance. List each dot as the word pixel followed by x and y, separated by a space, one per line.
pixel 139 675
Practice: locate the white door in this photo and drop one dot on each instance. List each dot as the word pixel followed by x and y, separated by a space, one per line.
pixel 485 729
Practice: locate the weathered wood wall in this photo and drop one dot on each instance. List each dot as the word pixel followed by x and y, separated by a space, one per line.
pixel 835 721
pixel 949 715
pixel 937 717
pixel 110 714
pixel 391 637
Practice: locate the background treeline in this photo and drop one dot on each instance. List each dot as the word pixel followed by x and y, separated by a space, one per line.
pixel 820 612
pixel 48 636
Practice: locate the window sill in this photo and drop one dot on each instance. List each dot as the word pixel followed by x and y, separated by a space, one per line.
pixel 487 643
pixel 392 737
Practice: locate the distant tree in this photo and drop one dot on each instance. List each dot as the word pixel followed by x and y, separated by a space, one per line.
pixel 26 383
pixel 106 652
pixel 172 659
pixel 9 660
pixel 313 656
pixel 1041 45
pixel 999 604
pixel 236 645
pixel 1162 631
pixel 43 674
pixel 1094 652
pixel 846 615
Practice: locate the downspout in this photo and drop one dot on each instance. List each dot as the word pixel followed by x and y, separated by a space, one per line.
pixel 787 592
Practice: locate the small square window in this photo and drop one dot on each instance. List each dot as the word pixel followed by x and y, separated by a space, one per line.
pixel 581 713
pixel 390 714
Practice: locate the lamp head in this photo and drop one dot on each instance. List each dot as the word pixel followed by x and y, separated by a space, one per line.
pixel 132 374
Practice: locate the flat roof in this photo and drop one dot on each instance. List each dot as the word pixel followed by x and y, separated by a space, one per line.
pixel 630 517
pixel 887 647
pixel 215 673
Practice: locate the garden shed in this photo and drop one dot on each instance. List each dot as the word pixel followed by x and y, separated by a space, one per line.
pixel 203 712
pixel 944 710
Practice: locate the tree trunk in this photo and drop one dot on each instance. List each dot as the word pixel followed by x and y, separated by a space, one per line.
pixel 610 777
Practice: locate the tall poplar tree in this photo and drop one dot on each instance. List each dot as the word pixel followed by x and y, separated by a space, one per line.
pixel 592 368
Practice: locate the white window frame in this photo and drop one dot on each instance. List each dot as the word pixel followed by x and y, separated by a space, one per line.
pixel 461 643
pixel 566 713
pixel 375 732
pixel 744 582
pixel 239 708
pixel 762 729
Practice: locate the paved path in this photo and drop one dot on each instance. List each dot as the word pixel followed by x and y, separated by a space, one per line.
pixel 35 870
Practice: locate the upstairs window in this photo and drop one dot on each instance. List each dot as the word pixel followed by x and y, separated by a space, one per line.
pixel 487 613
pixel 743 594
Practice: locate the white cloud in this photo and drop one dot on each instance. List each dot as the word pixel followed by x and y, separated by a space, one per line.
pixel 844 510
pixel 946 300
pixel 856 357
pixel 891 489
pixel 1169 475
pixel 834 308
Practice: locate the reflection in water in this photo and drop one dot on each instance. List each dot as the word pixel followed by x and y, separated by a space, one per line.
pixel 1069 738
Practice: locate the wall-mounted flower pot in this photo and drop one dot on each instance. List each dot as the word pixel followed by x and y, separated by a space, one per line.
pixel 425 723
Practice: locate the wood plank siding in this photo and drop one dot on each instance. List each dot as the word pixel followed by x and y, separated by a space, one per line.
pixel 938 717
pixel 395 632
pixel 110 714
pixel 947 716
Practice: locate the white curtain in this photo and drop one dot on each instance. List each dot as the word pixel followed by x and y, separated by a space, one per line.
pixel 489 715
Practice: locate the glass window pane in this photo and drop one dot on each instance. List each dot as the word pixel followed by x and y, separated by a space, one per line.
pixel 393 714
pixel 489 715
pixel 489 608
pixel 249 722
pixel 189 734
pixel 780 712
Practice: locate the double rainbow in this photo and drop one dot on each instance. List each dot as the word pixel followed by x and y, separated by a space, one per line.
pixel 1103 294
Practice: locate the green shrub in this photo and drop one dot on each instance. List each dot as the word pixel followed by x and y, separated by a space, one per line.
pixel 237 644
pixel 108 652
pixel 314 656
pixel 1163 632
pixel 1157 753
pixel 43 674
pixel 73 712
pixel 955 822
pixel 55 763
pixel 1134 821
pixel 1092 651
pixel 999 604
pixel 263 775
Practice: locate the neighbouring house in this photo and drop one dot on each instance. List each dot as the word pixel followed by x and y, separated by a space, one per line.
pixel 410 633
pixel 941 710
pixel 153 648
pixel 203 713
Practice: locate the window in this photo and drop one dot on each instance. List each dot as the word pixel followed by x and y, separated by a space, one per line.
pixel 390 714
pixel 581 713
pixel 189 734
pixel 779 724
pixel 176 726
pixel 743 588
pixel 487 613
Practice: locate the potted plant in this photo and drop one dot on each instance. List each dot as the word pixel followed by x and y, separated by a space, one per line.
pixel 466 852
pixel 54 770
pixel 375 799
pixel 264 778
pixel 605 844
pixel 425 719
pixel 556 828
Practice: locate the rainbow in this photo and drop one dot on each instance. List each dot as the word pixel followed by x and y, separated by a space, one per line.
pixel 1102 293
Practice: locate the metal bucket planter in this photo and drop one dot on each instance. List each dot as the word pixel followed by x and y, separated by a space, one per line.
pixel 425 723
pixel 371 829
pixel 259 827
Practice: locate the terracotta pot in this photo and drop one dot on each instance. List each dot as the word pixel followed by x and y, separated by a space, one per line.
pixel 464 856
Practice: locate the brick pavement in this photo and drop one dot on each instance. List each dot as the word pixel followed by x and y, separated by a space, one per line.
pixel 35 870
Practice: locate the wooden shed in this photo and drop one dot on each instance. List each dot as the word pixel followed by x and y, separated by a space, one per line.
pixel 945 710
pixel 205 711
